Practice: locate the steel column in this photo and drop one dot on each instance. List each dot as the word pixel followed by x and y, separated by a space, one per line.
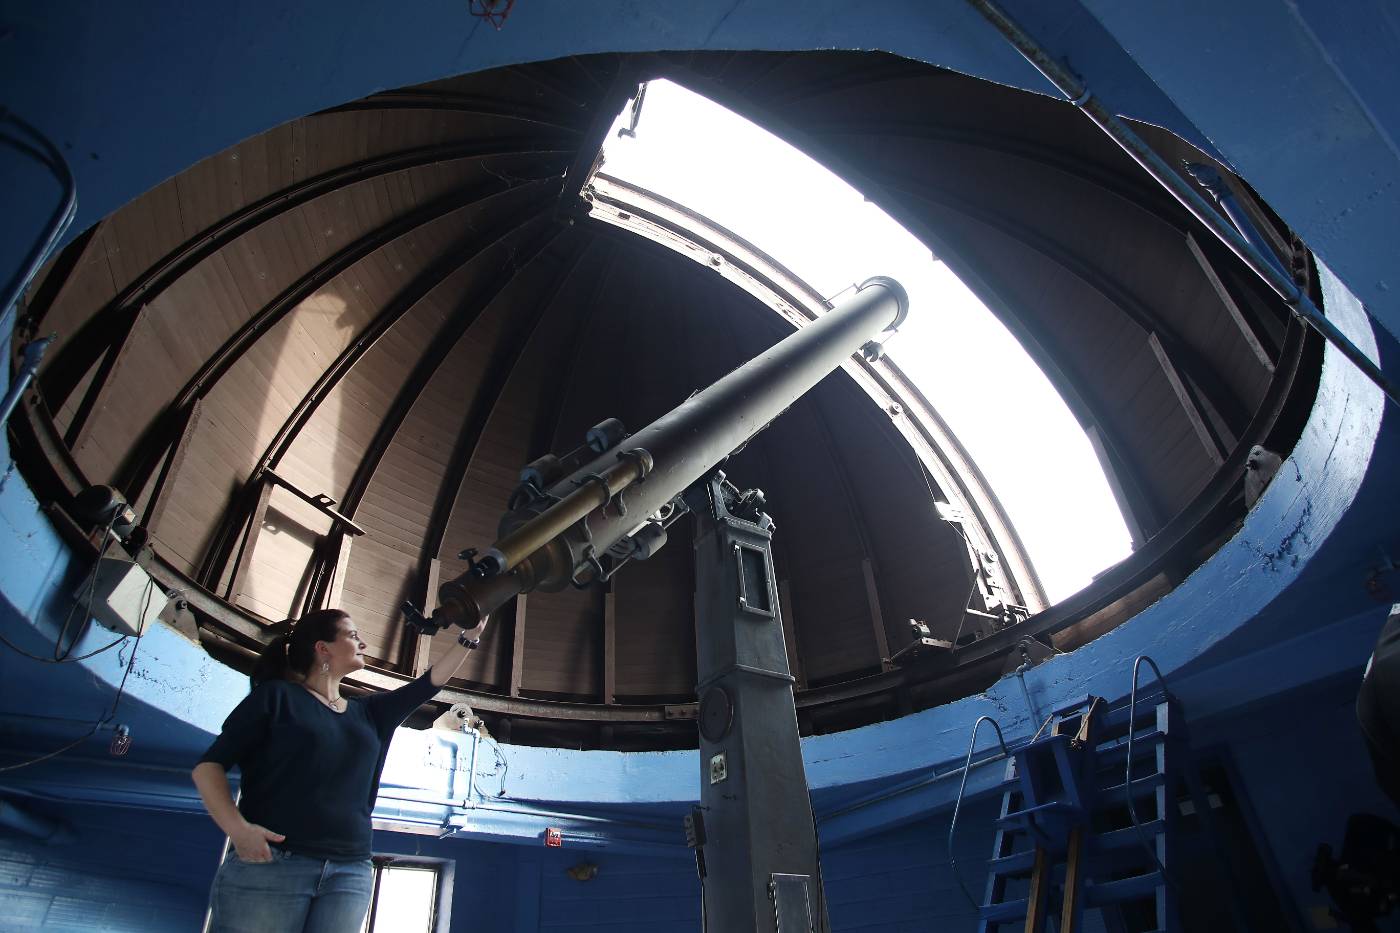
pixel 753 787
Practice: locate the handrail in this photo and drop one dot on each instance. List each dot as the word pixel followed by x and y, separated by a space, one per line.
pixel 957 806
pixel 1128 766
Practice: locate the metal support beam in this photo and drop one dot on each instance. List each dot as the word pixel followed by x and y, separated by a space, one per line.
pixel 170 473
pixel 609 646
pixel 517 651
pixel 547 435
pixel 428 364
pixel 590 151
pixel 1232 307
pixel 1213 445
pixel 790 634
pixel 753 787
pixel 1140 527
pixel 250 543
pixel 877 618
pixel 422 655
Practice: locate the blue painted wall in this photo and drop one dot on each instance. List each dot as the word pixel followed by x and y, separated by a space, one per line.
pixel 890 882
pixel 133 871
pixel 1304 765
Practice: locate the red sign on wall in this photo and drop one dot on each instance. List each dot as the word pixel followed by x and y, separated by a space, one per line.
pixel 553 838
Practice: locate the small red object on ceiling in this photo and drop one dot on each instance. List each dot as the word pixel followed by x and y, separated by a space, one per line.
pixel 553 838
pixel 493 11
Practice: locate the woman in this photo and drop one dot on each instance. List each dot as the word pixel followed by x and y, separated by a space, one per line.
pixel 310 761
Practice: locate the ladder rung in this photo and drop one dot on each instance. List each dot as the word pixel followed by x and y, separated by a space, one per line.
pixel 1116 754
pixel 1125 889
pixel 1014 864
pixel 1114 795
pixel 1117 717
pixel 1127 837
pixel 1017 819
pixel 1006 910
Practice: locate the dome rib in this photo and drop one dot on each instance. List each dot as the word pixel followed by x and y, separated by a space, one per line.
pixel 165 431
pixel 240 508
pixel 113 323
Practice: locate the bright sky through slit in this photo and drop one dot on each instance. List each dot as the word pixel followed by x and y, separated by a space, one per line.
pixel 996 400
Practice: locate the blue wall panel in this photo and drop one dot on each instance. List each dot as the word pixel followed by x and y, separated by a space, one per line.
pixel 630 894
pixel 122 870
pixel 1305 770
pixel 484 888
pixel 901 880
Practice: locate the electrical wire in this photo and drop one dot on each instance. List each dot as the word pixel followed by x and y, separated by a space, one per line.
pixel 503 762
pixel 116 700
pixel 67 660
pixel 65 656
pixel 61 654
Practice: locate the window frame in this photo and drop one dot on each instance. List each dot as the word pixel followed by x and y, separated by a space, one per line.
pixel 444 870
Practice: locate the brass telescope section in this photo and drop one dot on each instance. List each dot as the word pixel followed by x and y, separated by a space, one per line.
pixel 596 492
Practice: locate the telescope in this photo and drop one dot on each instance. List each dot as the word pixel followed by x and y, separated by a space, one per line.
pixel 576 519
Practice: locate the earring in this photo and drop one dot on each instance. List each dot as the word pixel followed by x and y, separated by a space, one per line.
pixel 325 667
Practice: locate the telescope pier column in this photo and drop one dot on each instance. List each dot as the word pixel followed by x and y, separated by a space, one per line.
pixel 758 858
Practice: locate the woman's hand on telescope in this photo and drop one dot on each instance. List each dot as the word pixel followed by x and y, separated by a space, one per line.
pixel 451 661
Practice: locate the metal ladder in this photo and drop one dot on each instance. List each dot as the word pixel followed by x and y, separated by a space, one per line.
pixel 1073 836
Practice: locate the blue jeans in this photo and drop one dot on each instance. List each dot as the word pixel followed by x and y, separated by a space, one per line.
pixel 290 894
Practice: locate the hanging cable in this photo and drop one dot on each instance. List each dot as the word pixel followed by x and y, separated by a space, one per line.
pixel 504 765
pixel 65 656
pixel 116 701
pixel 60 654
pixel 957 806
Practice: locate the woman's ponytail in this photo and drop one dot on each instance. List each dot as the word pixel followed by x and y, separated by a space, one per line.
pixel 290 655
pixel 272 663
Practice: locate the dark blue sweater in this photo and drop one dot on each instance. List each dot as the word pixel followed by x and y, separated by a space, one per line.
pixel 310 773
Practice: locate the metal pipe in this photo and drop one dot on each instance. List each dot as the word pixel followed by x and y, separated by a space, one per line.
pixel 49 155
pixel 1214 183
pixel 1138 149
pixel 665 458
pixel 471 768
pixel 489 807
pixel 33 354
pixel 514 548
